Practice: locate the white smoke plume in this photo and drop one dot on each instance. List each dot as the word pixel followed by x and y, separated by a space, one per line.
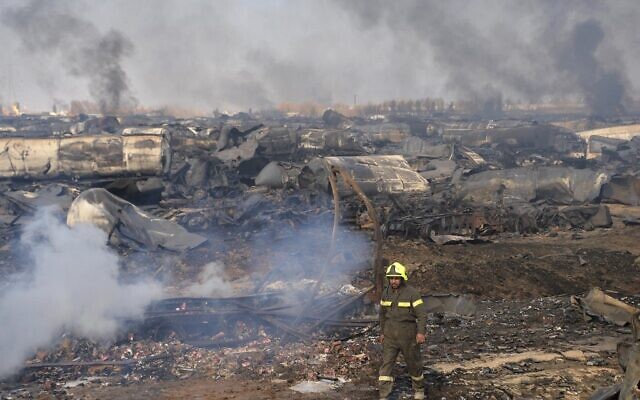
pixel 210 283
pixel 305 253
pixel 69 285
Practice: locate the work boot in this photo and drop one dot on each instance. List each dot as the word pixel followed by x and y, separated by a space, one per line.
pixel 384 389
pixel 417 384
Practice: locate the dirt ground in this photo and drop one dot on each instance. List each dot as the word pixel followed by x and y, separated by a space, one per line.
pixel 201 388
pixel 525 341
pixel 525 267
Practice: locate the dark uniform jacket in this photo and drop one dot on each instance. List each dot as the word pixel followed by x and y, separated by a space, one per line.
pixel 403 306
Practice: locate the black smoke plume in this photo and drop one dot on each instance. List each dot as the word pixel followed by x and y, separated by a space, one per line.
pixel 603 89
pixel 546 60
pixel 51 27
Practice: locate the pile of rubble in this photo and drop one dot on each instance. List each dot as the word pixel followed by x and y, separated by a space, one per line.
pixel 449 177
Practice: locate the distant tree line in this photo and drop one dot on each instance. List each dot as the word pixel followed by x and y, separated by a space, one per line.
pixel 419 106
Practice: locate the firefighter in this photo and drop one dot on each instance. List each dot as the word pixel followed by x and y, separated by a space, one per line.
pixel 403 320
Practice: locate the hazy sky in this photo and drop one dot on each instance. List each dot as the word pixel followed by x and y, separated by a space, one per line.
pixel 256 53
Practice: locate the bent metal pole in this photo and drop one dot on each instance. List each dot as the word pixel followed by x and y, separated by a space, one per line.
pixel 373 215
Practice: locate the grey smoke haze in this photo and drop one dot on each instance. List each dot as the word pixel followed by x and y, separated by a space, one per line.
pixel 241 54
pixel 52 27
pixel 210 282
pixel 71 285
pixel 529 50
pixel 305 251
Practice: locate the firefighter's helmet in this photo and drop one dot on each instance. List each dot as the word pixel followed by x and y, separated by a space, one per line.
pixel 396 270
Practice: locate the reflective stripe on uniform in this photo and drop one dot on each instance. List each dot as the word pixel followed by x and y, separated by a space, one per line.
pixel 404 304
pixel 385 378
pixel 418 396
pixel 417 378
pixel 385 303
pixel 417 302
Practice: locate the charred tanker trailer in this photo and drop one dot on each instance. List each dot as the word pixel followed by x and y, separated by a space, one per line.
pixel 137 151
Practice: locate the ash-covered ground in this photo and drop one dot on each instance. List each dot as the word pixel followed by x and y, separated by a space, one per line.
pixel 525 339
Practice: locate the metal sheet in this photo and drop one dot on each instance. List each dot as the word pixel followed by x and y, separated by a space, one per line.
pixel 599 304
pixel 374 174
pixel 127 223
